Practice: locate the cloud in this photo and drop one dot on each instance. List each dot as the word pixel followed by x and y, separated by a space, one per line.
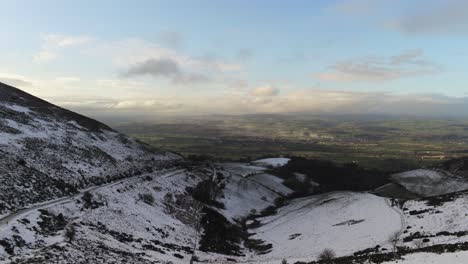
pixel 375 69
pixel 136 57
pixel 165 68
pixel 316 101
pixel 191 78
pixel 136 51
pixel 15 80
pixel 57 40
pixel 265 91
pixel 54 43
pixel 155 67
pixel 236 83
pixel 244 54
pixel 44 56
pixel 443 17
pixel 66 80
pixel 171 39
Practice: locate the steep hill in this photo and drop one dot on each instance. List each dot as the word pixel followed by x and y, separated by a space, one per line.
pixel 48 152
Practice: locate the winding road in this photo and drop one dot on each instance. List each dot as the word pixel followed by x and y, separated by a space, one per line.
pixel 21 212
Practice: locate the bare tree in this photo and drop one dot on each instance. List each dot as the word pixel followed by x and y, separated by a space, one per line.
pixel 394 240
pixel 198 215
pixel 327 254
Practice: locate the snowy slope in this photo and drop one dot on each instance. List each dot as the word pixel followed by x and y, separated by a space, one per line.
pixel 141 208
pixel 120 222
pixel 248 188
pixel 433 258
pixel 427 182
pixel 48 152
pixel 343 221
pixel 440 220
pixel 274 162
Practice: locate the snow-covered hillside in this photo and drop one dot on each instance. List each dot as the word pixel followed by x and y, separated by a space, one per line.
pixel 48 152
pixel 273 162
pixel 433 258
pixel 120 222
pixel 425 182
pixel 248 189
pixel 436 220
pixel 343 221
pixel 143 219
pixel 72 190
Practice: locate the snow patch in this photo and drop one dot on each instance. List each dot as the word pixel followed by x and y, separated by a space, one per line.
pixel 275 162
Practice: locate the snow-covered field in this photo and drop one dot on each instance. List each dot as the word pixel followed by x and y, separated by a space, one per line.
pixel 342 221
pixel 426 182
pixel 432 258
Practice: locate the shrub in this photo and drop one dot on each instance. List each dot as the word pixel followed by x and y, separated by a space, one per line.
pixel 206 192
pixel 327 254
pixel 147 198
pixel 219 235
pixel 87 199
pixel 70 233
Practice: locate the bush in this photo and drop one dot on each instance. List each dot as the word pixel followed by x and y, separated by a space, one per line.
pixel 327 254
pixel 70 233
pixel 87 199
pixel 331 176
pixel 219 235
pixel 206 192
pixel 147 198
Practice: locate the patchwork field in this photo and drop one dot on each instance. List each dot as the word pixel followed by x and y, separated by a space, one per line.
pixel 378 142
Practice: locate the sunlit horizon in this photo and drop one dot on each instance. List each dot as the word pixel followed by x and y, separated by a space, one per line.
pixel 239 57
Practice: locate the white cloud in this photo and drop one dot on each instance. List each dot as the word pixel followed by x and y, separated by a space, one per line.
pixel 299 101
pixel 15 80
pixel 265 91
pixel 66 79
pixel 137 57
pixel 408 64
pixel 57 40
pixel 54 43
pixel 44 56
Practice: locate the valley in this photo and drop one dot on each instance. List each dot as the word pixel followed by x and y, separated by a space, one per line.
pixel 76 191
pixel 386 142
pixel 233 132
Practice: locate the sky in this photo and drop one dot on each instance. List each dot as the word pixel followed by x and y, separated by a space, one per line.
pixel 191 57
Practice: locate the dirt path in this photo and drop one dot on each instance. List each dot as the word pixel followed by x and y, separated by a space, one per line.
pixel 400 213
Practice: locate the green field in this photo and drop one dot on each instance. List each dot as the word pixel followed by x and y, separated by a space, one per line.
pixel 369 141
